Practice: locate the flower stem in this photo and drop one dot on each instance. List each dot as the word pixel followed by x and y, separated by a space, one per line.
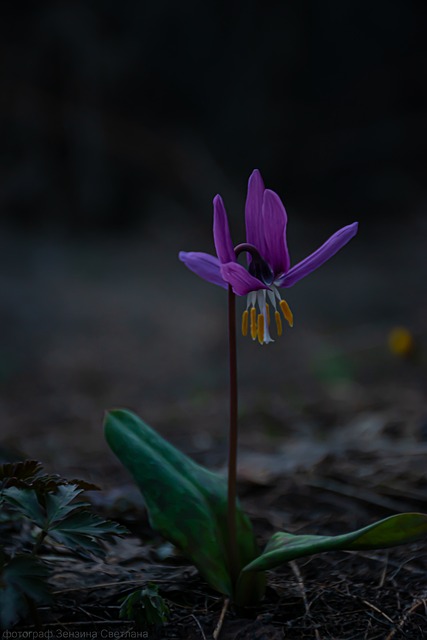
pixel 232 451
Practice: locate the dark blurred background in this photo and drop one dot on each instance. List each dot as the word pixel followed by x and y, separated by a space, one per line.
pixel 121 121
pixel 105 105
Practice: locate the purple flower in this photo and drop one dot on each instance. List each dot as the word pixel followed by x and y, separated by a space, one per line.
pixel 268 258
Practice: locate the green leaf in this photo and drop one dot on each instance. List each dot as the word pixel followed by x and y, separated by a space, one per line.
pixel 25 502
pixel 59 504
pixel 83 532
pixel 25 470
pixel 186 503
pixel 393 531
pixel 21 578
pixel 145 607
pixel 66 521
pixel 28 475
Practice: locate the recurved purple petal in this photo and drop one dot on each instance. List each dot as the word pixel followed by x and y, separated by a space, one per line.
pixel 204 265
pixel 221 231
pixel 316 259
pixel 253 211
pixel 240 279
pixel 275 220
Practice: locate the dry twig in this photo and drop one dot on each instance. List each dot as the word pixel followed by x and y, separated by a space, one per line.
pixel 301 587
pixel 415 605
pixel 218 627
pixel 199 625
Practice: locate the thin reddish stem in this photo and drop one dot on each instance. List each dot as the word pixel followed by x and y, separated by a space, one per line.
pixel 232 452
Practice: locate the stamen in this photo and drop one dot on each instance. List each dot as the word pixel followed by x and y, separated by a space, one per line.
pixel 253 324
pixel 245 321
pixel 267 306
pixel 278 323
pixel 272 295
pixel 260 328
pixel 286 310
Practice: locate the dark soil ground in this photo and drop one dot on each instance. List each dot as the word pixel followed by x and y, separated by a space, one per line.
pixel 333 428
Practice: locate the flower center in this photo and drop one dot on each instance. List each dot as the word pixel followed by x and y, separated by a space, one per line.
pixel 258 320
pixel 261 270
pixel 258 267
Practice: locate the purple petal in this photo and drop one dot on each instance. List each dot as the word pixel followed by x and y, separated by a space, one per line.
pixel 275 220
pixel 222 238
pixel 253 212
pixel 240 279
pixel 316 259
pixel 204 265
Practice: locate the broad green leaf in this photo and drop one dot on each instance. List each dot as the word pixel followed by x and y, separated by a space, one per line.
pixel 186 503
pixel 393 531
pixel 22 577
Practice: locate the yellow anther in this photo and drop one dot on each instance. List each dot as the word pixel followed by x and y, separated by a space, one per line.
pixel 286 310
pixel 267 306
pixel 253 324
pixel 260 328
pixel 245 321
pixel 278 323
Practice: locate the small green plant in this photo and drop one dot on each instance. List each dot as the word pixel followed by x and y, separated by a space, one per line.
pixel 52 508
pixel 146 608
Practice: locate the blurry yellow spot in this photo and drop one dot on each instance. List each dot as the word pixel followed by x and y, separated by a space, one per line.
pixel 245 320
pixel 401 341
pixel 286 310
pixel 267 306
pixel 278 323
pixel 260 328
pixel 253 323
